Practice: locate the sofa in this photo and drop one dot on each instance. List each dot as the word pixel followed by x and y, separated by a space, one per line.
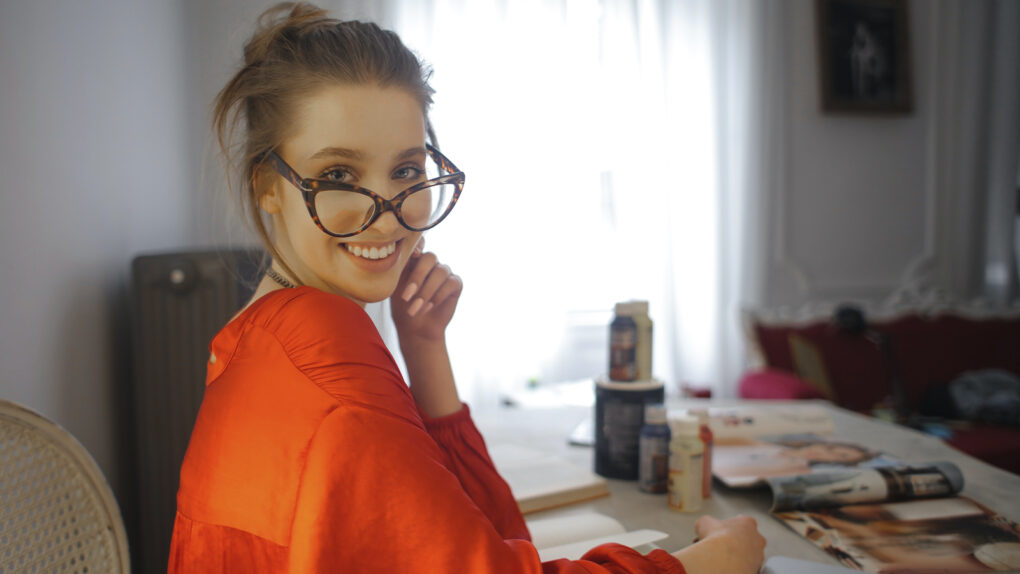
pixel 801 354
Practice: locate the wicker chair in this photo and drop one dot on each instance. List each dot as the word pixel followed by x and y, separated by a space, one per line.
pixel 57 513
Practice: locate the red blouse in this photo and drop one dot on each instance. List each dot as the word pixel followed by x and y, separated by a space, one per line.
pixel 310 455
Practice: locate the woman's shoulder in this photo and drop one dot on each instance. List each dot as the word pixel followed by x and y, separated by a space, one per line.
pixel 304 304
pixel 311 326
pixel 320 337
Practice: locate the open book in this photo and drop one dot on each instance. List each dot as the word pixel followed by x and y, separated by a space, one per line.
pixel 572 535
pixel 540 480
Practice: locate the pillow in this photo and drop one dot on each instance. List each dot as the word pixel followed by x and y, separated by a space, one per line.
pixel 847 369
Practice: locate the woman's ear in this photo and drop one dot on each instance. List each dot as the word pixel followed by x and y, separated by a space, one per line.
pixel 271 199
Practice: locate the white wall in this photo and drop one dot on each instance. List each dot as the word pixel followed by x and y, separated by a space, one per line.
pixel 92 172
pixel 862 205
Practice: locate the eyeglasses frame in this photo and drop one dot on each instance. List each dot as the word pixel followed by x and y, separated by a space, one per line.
pixel 310 187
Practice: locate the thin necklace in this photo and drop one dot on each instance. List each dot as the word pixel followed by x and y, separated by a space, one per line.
pixel 272 274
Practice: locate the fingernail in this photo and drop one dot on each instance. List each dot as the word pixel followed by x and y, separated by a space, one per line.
pixel 428 306
pixel 415 307
pixel 409 291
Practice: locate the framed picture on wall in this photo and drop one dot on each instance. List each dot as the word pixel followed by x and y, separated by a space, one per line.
pixel 864 56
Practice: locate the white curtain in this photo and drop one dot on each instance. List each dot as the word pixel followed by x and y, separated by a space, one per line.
pixel 610 155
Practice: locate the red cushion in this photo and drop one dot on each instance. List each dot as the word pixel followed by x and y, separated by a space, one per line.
pixel 928 350
pixel 776 384
pixel 853 364
pixel 996 445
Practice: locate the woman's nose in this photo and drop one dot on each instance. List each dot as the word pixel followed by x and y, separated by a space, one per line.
pixel 386 223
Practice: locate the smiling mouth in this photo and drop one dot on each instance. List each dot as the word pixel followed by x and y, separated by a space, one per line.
pixel 373 253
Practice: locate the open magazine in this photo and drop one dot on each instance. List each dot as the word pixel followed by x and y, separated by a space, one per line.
pixel 867 509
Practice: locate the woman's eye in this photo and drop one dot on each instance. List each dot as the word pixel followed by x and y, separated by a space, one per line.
pixel 409 172
pixel 336 174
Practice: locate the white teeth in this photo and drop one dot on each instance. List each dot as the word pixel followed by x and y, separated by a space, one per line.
pixel 372 252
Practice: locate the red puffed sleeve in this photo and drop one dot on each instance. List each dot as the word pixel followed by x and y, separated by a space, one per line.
pixel 377 496
pixel 465 455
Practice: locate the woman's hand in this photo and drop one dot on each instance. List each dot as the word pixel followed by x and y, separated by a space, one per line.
pixel 422 306
pixel 733 546
pixel 425 298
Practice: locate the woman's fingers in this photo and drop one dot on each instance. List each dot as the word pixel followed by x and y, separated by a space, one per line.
pixel 428 283
pixel 449 290
pixel 705 526
pixel 416 272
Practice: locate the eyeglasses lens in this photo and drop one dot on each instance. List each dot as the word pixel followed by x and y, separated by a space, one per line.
pixel 344 212
pixel 423 208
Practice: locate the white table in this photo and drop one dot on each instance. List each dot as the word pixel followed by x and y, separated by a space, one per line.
pixel 548 428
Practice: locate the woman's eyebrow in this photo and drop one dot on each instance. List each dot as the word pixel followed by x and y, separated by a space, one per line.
pixel 333 151
pixel 411 152
pixel 329 152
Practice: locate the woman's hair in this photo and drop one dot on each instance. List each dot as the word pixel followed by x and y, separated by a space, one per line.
pixel 295 50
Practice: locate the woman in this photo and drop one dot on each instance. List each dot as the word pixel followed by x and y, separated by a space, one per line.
pixel 310 453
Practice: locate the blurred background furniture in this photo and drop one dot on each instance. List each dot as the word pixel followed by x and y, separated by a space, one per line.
pixel 57 512
pixel 178 302
pixel 803 354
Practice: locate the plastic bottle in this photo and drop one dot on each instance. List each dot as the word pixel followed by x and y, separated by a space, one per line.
pixel 623 345
pixel 685 464
pixel 707 438
pixel 630 336
pixel 653 468
pixel 643 350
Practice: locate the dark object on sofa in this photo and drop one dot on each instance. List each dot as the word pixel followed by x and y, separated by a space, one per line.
pixel 991 396
pixel 809 358
pixel 849 319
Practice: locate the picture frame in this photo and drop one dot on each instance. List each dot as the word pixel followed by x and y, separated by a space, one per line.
pixel 864 56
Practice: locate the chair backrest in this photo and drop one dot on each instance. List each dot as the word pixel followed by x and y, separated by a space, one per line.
pixel 57 513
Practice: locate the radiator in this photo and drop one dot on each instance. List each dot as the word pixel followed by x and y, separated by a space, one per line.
pixel 178 302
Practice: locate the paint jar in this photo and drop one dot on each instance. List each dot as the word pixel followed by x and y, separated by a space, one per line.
pixel 707 439
pixel 630 342
pixel 643 349
pixel 619 417
pixel 622 346
pixel 653 447
pixel 685 464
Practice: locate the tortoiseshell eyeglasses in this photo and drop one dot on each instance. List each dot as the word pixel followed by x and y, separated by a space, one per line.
pixel 344 209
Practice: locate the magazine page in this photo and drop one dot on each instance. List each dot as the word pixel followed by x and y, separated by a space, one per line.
pixel 746 462
pixel 935 535
pixel 863 485
pixel 754 421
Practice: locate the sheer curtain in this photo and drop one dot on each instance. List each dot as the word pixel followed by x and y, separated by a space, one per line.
pixel 610 155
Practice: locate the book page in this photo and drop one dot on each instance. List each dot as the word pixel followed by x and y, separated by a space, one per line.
pixel 639 540
pixel 560 530
pixel 541 480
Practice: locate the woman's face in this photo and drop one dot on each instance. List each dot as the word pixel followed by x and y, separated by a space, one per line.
pixel 361 134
